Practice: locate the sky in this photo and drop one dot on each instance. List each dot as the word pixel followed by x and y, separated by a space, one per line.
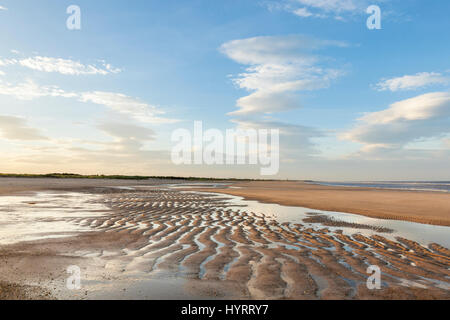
pixel 351 103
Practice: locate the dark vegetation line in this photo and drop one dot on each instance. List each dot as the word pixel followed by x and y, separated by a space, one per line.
pixel 119 177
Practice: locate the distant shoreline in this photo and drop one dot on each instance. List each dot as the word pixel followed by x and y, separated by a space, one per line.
pixel 427 186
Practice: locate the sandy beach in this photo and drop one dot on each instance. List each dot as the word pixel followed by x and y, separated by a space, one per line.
pixel 147 240
pixel 417 206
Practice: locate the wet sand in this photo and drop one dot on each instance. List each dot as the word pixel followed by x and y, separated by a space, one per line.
pixel 10 186
pixel 164 243
pixel 415 206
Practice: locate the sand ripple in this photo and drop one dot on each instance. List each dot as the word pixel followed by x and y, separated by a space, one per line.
pixel 200 238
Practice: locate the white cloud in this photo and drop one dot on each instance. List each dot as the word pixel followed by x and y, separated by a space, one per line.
pixel 29 90
pixel 15 128
pixel 62 66
pixel 278 68
pixel 117 102
pixel 3 8
pixel 322 8
pixel 411 82
pixel 65 66
pixel 303 12
pixel 331 5
pixel 126 105
pixel 426 106
pixel 421 117
pixel 267 102
pixel 7 62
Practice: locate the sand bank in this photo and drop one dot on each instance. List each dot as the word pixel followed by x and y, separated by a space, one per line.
pixel 415 206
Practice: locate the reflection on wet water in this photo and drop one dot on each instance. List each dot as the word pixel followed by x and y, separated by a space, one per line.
pixel 45 215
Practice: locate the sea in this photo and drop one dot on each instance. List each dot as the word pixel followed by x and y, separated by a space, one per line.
pixel 436 186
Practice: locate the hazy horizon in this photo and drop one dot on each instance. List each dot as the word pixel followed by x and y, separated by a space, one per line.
pixel 100 175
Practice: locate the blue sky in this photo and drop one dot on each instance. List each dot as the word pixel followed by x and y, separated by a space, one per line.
pixel 351 103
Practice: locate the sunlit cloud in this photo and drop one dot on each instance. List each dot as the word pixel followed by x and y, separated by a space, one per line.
pixel 403 122
pixel 124 104
pixel 117 102
pixel 278 68
pixel 29 90
pixel 62 66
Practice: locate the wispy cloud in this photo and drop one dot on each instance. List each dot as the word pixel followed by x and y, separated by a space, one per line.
pixel 62 66
pixel 2 8
pixel 278 68
pixel 331 5
pixel 322 8
pixel 15 128
pixel 117 102
pixel 411 82
pixel 7 62
pixel 305 13
pixel 406 121
pixel 29 90
pixel 124 104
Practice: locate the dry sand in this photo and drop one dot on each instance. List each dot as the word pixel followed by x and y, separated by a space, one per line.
pixel 216 252
pixel 416 206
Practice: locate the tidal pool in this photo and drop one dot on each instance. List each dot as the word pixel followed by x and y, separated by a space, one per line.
pixel 45 215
